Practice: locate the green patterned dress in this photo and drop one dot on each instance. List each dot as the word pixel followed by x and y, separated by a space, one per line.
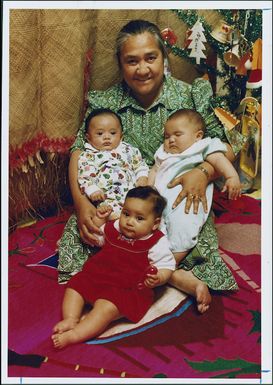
pixel 144 130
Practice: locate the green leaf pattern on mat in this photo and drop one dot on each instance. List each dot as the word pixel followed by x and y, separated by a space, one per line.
pixel 233 368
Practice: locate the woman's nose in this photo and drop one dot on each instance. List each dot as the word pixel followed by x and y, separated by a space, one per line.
pixel 142 68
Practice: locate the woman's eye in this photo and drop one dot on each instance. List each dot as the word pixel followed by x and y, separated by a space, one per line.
pixel 131 62
pixel 151 59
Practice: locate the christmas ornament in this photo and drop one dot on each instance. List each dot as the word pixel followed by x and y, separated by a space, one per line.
pixel 228 120
pixel 221 32
pixel 248 63
pixel 196 45
pixel 251 129
pixel 244 45
pixel 232 57
pixel 242 67
pixel 169 36
pixel 255 77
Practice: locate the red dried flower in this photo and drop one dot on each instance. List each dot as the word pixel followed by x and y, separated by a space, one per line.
pixel 168 35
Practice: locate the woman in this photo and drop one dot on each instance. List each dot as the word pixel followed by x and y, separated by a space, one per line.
pixel 144 99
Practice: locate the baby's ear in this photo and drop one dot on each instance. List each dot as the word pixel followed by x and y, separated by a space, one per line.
pixel 199 135
pixel 156 224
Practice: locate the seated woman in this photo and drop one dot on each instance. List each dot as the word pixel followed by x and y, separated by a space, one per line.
pixel 144 99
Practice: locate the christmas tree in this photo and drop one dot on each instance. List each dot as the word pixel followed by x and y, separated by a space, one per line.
pixel 245 29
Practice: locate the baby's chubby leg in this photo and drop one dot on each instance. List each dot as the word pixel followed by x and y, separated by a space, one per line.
pixel 95 322
pixel 188 283
pixel 72 307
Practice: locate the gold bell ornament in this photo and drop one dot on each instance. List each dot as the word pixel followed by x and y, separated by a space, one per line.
pixel 232 57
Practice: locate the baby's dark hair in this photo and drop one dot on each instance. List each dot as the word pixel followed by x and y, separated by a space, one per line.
pixel 97 112
pixel 151 194
pixel 193 117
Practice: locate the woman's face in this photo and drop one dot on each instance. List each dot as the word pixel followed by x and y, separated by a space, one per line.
pixel 142 66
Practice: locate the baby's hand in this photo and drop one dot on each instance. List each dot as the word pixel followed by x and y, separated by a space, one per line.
pixel 142 181
pixel 233 187
pixel 148 279
pixel 152 280
pixel 103 211
pixel 152 277
pixel 97 196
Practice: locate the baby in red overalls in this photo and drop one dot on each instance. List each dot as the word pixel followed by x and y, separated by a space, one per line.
pixel 112 279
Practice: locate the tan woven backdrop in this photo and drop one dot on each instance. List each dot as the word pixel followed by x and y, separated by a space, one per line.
pixel 47 59
pixel 47 56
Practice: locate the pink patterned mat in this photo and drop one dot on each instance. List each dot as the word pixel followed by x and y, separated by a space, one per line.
pixel 176 343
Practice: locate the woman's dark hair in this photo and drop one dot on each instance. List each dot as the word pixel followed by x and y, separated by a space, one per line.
pixel 137 27
pixel 151 194
pixel 193 117
pixel 100 111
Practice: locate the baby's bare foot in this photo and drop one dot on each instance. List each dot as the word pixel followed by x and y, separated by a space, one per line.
pixel 65 325
pixel 203 297
pixel 60 341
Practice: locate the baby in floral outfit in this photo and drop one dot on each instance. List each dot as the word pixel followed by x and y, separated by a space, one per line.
pixel 109 167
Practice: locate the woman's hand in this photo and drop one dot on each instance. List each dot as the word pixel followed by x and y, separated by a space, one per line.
pixel 194 185
pixel 87 229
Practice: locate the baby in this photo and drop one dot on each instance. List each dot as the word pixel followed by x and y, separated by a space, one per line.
pixel 183 149
pixel 118 280
pixel 108 167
